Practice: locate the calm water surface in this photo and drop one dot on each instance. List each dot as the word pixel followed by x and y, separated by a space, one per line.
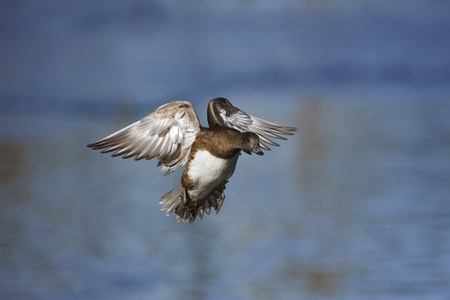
pixel 355 205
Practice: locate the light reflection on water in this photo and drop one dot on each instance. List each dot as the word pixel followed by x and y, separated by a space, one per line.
pixel 354 205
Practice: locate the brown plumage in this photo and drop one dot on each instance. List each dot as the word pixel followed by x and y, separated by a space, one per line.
pixel 173 134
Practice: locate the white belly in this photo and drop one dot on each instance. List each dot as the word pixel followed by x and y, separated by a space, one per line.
pixel 207 172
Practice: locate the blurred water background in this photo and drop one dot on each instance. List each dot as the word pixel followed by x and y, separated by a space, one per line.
pixel 354 206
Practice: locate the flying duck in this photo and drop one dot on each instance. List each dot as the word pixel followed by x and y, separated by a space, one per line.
pixel 173 134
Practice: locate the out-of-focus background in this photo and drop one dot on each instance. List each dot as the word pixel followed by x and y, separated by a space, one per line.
pixel 356 205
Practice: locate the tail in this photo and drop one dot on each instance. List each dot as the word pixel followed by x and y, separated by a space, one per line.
pixel 178 201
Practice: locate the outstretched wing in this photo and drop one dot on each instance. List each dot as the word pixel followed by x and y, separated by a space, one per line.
pixel 167 134
pixel 221 112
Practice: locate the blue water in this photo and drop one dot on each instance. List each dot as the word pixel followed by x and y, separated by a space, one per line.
pixel 355 205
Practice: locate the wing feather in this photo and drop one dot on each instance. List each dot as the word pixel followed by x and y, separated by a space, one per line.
pixel 221 112
pixel 167 134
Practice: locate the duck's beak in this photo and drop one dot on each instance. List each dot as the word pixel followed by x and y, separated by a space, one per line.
pixel 257 150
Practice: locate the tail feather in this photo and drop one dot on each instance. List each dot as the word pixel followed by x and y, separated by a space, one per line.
pixel 171 200
pixel 186 209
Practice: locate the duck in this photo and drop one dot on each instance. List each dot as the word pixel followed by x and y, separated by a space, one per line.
pixel 174 136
